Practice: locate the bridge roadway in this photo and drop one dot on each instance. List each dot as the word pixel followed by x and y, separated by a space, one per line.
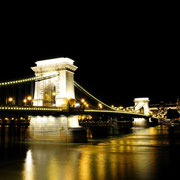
pixel 38 110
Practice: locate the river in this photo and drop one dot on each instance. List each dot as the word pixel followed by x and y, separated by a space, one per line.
pixel 142 154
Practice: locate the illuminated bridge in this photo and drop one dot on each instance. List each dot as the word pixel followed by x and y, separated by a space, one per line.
pixel 55 102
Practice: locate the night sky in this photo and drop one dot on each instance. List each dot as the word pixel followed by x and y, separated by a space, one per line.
pixel 117 59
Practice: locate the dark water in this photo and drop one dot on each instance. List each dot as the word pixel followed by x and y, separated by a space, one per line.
pixel 146 153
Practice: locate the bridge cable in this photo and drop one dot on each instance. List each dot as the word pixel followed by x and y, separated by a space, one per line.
pixel 37 78
pixel 99 101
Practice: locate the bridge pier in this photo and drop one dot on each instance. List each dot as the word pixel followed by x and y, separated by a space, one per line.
pixel 61 129
pixel 141 122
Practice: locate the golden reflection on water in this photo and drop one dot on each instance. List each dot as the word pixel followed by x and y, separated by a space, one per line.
pixel 28 173
pixel 120 157
pixel 53 170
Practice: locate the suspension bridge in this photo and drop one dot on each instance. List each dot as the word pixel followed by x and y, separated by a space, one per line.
pixel 54 101
pixel 9 103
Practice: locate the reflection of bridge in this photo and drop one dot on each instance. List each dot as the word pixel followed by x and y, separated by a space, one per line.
pixel 54 100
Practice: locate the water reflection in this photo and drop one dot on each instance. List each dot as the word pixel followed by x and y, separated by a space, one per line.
pixel 28 173
pixel 144 154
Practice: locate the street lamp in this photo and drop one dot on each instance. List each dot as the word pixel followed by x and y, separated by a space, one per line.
pixel 29 98
pixel 53 93
pixel 87 105
pixel 25 101
pixel 100 106
pixel 10 100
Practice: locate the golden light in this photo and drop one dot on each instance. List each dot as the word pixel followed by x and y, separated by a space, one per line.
pixel 100 105
pixel 150 112
pixel 24 100
pixel 54 93
pixel 10 99
pixel 82 100
pixel 29 98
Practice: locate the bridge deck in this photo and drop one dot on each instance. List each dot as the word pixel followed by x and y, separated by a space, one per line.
pixel 38 110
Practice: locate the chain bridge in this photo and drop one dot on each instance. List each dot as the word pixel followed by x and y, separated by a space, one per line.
pixel 53 102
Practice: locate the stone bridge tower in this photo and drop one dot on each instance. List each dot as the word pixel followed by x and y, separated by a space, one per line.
pixel 58 90
pixel 142 104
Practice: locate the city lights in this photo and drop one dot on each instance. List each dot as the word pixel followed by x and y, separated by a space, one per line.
pixel 38 78
pixel 41 119
pixel 29 98
pixel 54 93
pixel 10 99
pixel 24 100
pixel 100 106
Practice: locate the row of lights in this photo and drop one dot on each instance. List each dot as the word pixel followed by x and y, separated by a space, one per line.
pixel 100 106
pixel 123 108
pixel 26 80
pixel 30 109
pixel 25 100
pixel 12 118
pixel 84 103
pixel 120 108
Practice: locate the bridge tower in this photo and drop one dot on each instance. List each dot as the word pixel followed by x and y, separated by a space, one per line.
pixel 142 104
pixel 59 89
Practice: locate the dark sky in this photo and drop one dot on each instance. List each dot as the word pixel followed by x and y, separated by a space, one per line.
pixel 119 58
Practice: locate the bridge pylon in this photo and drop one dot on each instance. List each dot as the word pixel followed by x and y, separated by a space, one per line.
pixel 142 104
pixel 59 89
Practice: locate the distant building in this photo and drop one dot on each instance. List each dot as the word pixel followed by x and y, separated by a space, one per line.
pixel 160 110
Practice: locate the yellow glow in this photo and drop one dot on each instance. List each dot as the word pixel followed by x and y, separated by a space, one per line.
pixel 10 99
pixel 55 61
pixel 139 122
pixel 54 93
pixel 82 100
pixel 29 98
pixel 28 173
pixel 53 170
pixel 100 106
pixel 24 100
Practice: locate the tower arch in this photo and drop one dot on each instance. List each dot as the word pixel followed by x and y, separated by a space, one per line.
pixel 142 105
pixel 58 90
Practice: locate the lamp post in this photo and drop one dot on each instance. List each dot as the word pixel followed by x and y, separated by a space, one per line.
pixel 28 100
